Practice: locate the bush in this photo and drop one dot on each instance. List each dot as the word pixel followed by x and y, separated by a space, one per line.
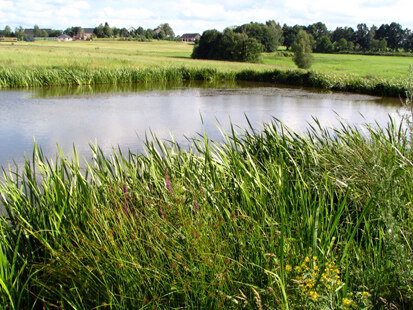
pixel 302 50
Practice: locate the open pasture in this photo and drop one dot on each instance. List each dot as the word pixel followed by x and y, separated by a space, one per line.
pixel 120 54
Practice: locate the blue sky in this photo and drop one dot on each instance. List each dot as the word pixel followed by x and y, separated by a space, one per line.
pixel 198 15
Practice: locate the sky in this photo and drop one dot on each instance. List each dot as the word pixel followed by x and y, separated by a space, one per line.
pixel 191 16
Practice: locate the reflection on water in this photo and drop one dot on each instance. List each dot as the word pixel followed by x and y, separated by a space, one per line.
pixel 113 115
pixel 115 89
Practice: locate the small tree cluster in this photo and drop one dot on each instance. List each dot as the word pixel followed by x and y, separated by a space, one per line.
pixel 268 34
pixel 162 32
pixel 228 45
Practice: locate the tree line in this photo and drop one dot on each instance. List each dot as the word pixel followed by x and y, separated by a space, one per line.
pixel 387 37
pixel 162 32
pixel 246 42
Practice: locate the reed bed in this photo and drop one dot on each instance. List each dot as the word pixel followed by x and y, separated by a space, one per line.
pixel 40 77
pixel 265 220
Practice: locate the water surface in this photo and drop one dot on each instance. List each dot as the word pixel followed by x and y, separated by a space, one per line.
pixel 121 115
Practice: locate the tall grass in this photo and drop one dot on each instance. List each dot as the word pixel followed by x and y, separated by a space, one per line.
pixel 20 78
pixel 269 219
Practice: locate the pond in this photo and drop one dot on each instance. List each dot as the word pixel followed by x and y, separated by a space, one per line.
pixel 122 115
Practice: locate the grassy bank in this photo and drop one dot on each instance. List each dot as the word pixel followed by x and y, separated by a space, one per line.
pixel 267 220
pixel 82 63
pixel 18 78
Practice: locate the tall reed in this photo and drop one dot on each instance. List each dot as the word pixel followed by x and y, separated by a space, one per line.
pixel 268 219
pixel 20 78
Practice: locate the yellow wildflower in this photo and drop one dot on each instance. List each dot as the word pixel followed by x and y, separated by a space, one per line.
pixel 288 268
pixel 346 302
pixel 365 294
pixel 313 295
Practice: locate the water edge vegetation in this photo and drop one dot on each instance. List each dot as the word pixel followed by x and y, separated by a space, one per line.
pixel 268 219
pixel 74 63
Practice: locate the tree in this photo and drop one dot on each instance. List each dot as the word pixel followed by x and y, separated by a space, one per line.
pixel 341 45
pixel 342 33
pixel 7 31
pixel 393 34
pixel 302 50
pixel 269 35
pixel 318 30
pixel 107 31
pixel 227 46
pixel 324 45
pixel 98 31
pixel 289 34
pixel 165 32
pixel 277 32
pixel 408 42
pixel 20 33
pixel 55 33
pixel 72 31
pixel 362 36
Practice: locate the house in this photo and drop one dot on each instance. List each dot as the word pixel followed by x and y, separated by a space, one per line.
pixel 190 37
pixel 157 30
pixel 64 37
pixel 87 34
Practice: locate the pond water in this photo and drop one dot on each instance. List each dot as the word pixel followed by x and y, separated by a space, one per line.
pixel 114 116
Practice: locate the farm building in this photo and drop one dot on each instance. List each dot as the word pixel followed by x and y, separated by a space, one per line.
pixel 86 35
pixel 190 37
pixel 64 37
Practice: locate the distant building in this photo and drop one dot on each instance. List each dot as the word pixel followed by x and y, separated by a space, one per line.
pixel 157 30
pixel 190 37
pixel 64 37
pixel 86 35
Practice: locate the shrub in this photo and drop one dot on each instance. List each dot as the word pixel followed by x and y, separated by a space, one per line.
pixel 302 51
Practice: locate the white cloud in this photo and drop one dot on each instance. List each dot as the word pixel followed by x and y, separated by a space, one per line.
pixel 198 15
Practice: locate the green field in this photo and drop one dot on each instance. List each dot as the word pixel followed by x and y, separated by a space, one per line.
pixel 115 54
pixel 388 67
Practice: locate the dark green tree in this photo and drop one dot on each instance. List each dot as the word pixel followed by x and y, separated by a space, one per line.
pixel 107 31
pixel 289 34
pixel 318 30
pixel 55 33
pixel 362 36
pixel 269 35
pixel 408 42
pixel 393 34
pixel 324 45
pixel 342 33
pixel 302 50
pixel 341 45
pixel 98 31
pixel 228 45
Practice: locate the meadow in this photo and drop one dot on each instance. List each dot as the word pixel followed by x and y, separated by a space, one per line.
pixel 46 63
pixel 268 219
